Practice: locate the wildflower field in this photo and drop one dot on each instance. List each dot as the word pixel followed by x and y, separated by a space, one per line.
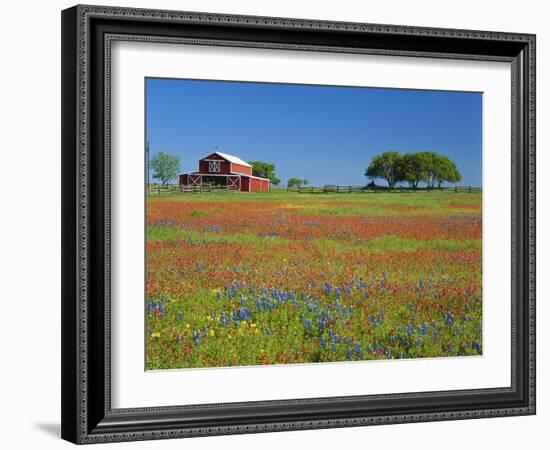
pixel 238 279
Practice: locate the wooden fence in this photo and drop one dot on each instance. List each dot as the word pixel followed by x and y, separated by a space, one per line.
pixel 179 189
pixel 364 189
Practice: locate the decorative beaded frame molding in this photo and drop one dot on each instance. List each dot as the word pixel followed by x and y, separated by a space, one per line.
pixel 87 416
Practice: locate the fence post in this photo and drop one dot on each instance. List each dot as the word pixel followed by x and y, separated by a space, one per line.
pixel 158 189
pixel 469 188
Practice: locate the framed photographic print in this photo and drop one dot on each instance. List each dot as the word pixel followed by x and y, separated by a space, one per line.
pixel 277 224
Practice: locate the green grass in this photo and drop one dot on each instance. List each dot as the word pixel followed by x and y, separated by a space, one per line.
pixel 283 194
pixel 440 203
pixel 384 244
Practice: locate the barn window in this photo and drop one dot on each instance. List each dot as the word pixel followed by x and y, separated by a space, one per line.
pixel 213 166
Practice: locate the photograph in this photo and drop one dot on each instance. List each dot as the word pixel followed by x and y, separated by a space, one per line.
pixel 276 220
pixel 301 224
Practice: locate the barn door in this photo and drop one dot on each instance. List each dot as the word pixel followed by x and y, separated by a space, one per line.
pixel 234 183
pixel 194 180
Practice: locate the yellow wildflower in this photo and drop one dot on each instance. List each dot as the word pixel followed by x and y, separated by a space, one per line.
pixel 156 334
pixel 212 333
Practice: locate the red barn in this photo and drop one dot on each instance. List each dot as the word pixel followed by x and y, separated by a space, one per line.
pixel 226 170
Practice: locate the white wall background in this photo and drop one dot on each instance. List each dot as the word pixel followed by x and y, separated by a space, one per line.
pixel 30 222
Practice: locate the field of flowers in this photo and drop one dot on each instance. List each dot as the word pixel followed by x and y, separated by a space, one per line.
pixel 278 278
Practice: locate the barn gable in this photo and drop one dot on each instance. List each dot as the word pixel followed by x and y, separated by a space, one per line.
pixel 224 163
pixel 214 164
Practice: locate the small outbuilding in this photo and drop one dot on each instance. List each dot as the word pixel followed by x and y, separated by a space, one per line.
pixel 225 170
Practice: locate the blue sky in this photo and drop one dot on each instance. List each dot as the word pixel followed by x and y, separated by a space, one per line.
pixel 325 134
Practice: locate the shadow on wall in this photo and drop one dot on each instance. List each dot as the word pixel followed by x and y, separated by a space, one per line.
pixel 53 429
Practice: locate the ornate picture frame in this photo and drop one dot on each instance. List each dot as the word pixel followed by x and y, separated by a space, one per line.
pixel 87 35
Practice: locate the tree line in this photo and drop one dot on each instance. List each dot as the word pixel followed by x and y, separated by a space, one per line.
pixel 413 168
pixel 391 166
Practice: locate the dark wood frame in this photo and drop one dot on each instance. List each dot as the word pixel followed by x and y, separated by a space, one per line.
pixel 87 31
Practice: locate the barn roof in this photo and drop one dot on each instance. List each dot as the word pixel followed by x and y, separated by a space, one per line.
pixel 231 158
pixel 230 174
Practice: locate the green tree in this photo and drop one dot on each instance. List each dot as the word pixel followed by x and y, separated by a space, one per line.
pixel 386 166
pixel 296 182
pixel 439 169
pixel 446 171
pixel 428 167
pixel 264 170
pixel 165 167
pixel 431 166
pixel 413 169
